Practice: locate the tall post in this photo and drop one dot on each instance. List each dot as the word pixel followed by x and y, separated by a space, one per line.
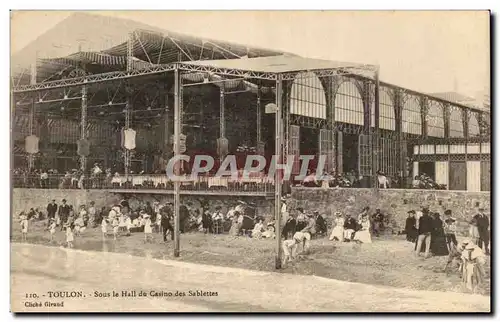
pixel 402 164
pixel 127 126
pixel 376 132
pixel 177 183
pixel 277 174
pixel 83 126
pixel 31 157
pixel 128 100
pixel 259 118
pixel 222 119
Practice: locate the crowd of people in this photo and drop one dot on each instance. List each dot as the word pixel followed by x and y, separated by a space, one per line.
pixel 98 177
pixel 433 235
pixel 430 234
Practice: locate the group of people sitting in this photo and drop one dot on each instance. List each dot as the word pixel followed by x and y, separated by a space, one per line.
pixel 301 228
pixel 358 229
pixel 423 181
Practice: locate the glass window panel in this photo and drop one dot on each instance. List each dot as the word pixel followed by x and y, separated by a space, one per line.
pixel 412 119
pixel 349 104
pixel 456 124
pixel 435 120
pixel 473 125
pixel 307 97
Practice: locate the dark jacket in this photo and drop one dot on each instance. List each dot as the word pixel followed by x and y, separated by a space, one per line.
pixel 425 225
pixel 482 224
pixel 350 223
pixel 64 211
pixel 321 224
pixel 290 227
pixel 411 222
pixel 51 209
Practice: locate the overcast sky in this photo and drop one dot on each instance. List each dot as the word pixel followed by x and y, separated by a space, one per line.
pixel 425 51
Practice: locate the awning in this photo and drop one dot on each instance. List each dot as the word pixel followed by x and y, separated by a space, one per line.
pixel 277 64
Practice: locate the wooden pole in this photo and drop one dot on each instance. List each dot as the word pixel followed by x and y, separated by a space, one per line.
pixel 277 174
pixel 177 183
pixel 83 125
pixel 376 133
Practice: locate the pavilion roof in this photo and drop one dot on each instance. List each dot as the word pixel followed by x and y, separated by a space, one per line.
pixel 276 64
pixel 99 44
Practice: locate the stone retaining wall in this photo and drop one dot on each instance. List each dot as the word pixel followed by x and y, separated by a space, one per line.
pixel 395 203
pixel 24 199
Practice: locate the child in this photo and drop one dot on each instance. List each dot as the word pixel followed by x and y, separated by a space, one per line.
pixel 52 229
pixel 79 226
pixel 104 228
pixel 24 226
pixel 116 225
pixel 290 249
pixel 69 236
pixel 147 228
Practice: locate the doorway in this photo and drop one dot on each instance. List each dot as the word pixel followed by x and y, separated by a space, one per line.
pixel 429 168
pixel 309 145
pixel 350 157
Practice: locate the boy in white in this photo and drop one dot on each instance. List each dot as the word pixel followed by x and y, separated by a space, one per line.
pixel 290 249
pixel 302 238
pixel 52 229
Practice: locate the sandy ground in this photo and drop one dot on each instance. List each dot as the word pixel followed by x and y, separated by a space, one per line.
pixel 388 261
pixel 39 269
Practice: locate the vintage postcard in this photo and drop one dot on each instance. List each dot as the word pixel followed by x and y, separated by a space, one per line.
pixel 240 161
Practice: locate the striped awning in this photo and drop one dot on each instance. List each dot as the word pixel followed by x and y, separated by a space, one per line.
pixel 18 150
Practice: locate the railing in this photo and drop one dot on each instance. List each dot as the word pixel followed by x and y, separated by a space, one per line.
pixel 148 182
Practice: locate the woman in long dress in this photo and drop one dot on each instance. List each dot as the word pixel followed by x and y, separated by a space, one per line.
pixel 235 228
pixel 338 231
pixel 438 238
pixel 363 234
pixel 411 227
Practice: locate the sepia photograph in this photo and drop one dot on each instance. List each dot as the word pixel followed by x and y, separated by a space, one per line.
pixel 250 161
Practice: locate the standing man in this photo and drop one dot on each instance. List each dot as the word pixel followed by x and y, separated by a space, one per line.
pixel 425 227
pixel 166 225
pixel 450 229
pixel 378 222
pixel 51 209
pixel 92 215
pixel 217 220
pixel 284 210
pixel 63 213
pixel 483 225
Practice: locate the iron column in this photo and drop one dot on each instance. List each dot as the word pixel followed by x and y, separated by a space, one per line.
pixel 277 176
pixel 177 183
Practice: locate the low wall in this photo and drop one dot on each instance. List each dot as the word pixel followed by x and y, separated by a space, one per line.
pixel 24 199
pixel 394 202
